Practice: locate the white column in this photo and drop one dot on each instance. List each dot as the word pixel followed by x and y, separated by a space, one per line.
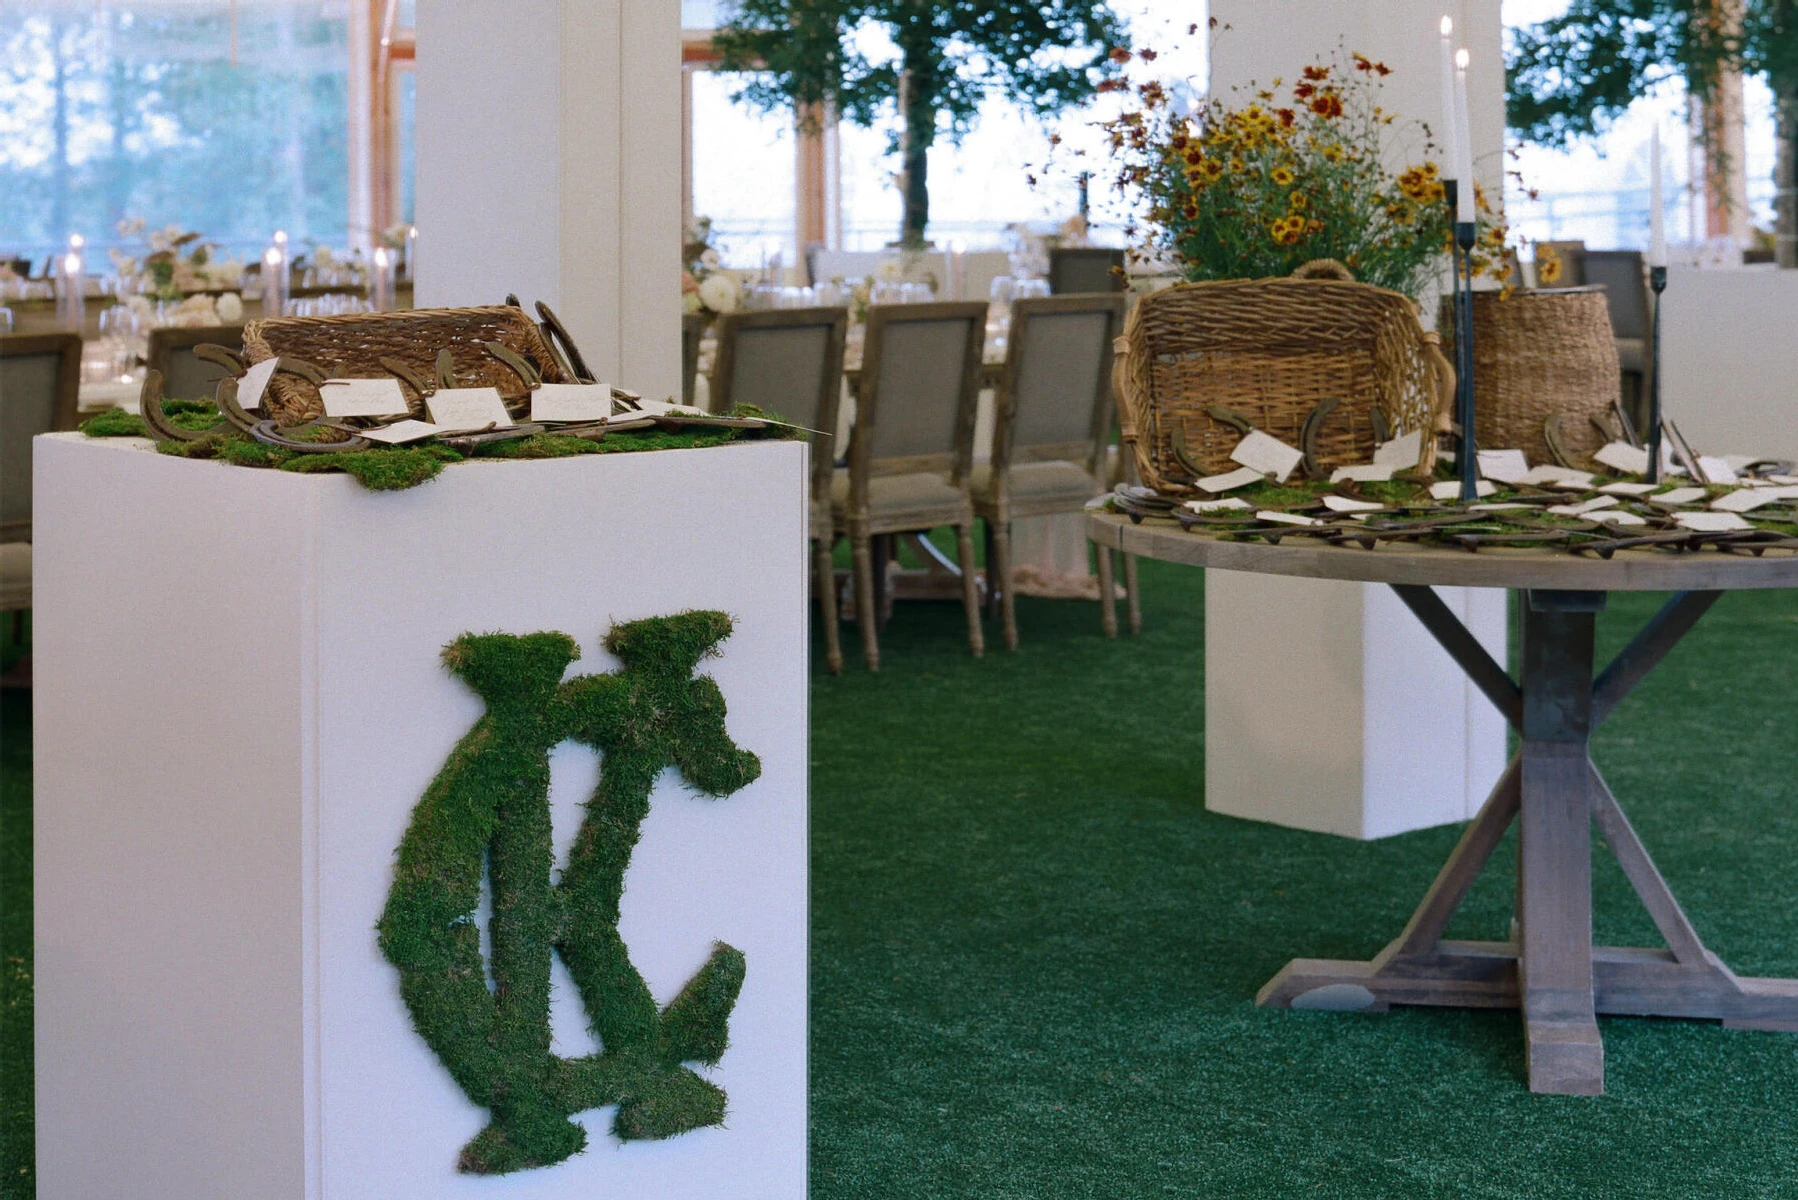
pixel 549 165
pixel 1327 705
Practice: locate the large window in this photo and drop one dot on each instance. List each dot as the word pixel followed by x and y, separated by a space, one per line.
pixel 229 117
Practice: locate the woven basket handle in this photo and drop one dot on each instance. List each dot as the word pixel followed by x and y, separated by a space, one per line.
pixel 1324 268
pixel 1442 419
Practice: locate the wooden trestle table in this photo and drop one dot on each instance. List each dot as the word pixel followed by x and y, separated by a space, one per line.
pixel 1550 968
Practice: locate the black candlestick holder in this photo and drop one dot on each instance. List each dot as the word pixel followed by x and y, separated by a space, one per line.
pixel 1657 283
pixel 1466 461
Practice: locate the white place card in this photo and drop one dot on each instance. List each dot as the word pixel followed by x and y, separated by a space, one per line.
pixel 1628 489
pixel 1710 522
pixel 1715 470
pixel 363 398
pixel 1552 476
pixel 1786 480
pixel 403 431
pixel 1506 466
pixel 1624 457
pixel 1676 497
pixel 1450 489
pixel 1619 517
pixel 468 408
pixel 1364 473
pixel 1234 479
pixel 255 382
pixel 571 402
pixel 1267 454
pixel 1748 499
pixel 661 408
pixel 1584 506
pixel 1401 452
pixel 1205 506
pixel 1285 518
pixel 1739 462
pixel 1348 504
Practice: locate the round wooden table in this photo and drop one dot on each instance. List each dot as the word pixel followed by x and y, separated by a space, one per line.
pixel 1550 968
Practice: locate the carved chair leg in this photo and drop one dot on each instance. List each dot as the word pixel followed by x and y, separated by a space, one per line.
pixel 1108 613
pixel 882 549
pixel 1132 602
pixel 827 604
pixel 998 568
pixel 970 588
pixel 865 601
pixel 993 581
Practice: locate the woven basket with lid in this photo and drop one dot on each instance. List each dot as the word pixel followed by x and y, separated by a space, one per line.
pixel 1272 350
pixel 353 345
pixel 1538 354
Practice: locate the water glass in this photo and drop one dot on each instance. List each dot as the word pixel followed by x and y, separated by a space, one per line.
pixel 6 322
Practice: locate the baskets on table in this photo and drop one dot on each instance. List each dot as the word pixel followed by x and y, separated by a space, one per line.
pixel 352 346
pixel 1272 350
pixel 1542 355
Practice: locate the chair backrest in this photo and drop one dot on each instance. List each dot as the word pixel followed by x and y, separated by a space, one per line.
pixel 185 377
pixel 40 379
pixel 789 362
pixel 1624 278
pixel 1572 255
pixel 692 330
pixel 920 380
pixel 1055 401
pixel 1085 269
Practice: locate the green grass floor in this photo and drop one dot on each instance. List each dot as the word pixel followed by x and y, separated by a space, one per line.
pixel 1034 952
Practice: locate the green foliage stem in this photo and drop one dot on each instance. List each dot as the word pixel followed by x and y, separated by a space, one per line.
pixel 490 803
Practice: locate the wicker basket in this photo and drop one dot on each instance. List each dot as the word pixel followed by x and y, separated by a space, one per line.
pixel 352 346
pixel 1541 354
pixel 1272 350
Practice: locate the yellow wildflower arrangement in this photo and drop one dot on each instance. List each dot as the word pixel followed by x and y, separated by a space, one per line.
pixel 1255 189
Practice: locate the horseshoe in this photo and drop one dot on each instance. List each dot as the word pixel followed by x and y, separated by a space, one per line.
pixel 1230 417
pixel 446 369
pixel 1308 438
pixel 157 421
pixel 220 356
pixel 1177 439
pixel 520 365
pixel 270 434
pixel 577 364
pixel 1551 433
pixel 1382 432
pixel 403 371
pixel 225 396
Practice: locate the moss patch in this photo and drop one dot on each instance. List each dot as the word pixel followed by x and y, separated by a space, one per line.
pixel 490 803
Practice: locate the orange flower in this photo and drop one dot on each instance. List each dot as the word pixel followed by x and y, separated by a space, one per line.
pixel 1327 105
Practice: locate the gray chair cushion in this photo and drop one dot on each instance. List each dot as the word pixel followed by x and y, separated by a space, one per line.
pixel 1059 486
pixel 27 408
pixel 920 500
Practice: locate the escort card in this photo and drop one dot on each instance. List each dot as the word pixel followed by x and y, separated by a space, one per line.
pixel 1346 504
pixel 1205 506
pixel 1715 470
pixel 362 398
pixel 1285 518
pixel 1749 499
pixel 1686 495
pixel 1267 454
pixel 1450 489
pixel 402 431
pixel 571 402
pixel 1235 479
pixel 1618 517
pixel 1401 452
pixel 1710 522
pixel 461 409
pixel 1628 489
pixel 1584 506
pixel 1624 457
pixel 1365 473
pixel 664 408
pixel 1549 476
pixel 1506 466
pixel 255 382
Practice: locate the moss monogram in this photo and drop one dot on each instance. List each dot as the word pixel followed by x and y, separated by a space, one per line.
pixel 490 805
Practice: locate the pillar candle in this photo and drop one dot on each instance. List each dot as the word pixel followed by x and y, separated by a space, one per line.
pixel 1450 154
pixel 1464 206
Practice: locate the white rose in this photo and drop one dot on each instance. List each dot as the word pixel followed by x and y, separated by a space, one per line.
pixel 720 293
pixel 709 258
pixel 230 308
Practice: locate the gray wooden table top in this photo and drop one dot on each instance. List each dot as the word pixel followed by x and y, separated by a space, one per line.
pixel 1627 571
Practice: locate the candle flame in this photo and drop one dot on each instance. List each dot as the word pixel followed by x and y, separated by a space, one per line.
pixel 1448 26
pixel 1461 58
pixel 71 264
pixel 280 237
pixel 76 241
pixel 272 257
pixel 380 256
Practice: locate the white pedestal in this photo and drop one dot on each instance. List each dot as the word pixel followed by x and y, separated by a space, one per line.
pixel 1726 351
pixel 1329 707
pixel 239 700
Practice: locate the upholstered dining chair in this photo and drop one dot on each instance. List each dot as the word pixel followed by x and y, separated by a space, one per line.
pixel 789 362
pixel 1052 418
pixel 912 445
pixel 692 332
pixel 40 376
pixel 185 377
pixel 1075 269
pixel 1624 276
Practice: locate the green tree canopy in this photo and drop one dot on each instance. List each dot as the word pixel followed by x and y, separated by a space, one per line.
pixel 1045 55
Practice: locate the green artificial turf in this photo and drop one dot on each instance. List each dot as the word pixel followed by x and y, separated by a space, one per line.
pixel 1034 953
